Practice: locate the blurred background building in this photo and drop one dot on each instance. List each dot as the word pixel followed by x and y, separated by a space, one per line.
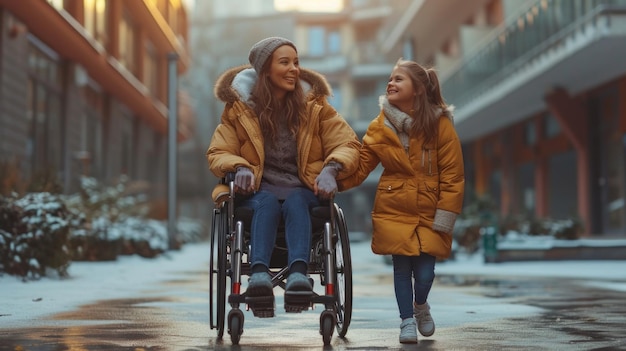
pixel 84 89
pixel 539 88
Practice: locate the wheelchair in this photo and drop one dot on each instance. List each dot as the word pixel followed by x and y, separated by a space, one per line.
pixel 329 258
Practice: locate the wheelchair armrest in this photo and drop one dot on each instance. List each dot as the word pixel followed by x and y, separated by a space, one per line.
pixel 220 193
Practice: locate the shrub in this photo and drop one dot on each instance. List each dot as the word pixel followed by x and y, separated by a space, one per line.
pixel 99 213
pixel 34 232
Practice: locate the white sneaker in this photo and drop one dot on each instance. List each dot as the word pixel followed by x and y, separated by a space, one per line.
pixel 425 323
pixel 408 333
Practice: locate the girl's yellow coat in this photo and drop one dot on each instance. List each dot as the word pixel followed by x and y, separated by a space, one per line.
pixel 414 186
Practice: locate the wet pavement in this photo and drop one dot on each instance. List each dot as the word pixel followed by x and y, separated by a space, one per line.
pixel 471 312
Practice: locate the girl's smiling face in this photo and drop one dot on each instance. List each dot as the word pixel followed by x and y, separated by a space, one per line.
pixel 400 90
pixel 284 70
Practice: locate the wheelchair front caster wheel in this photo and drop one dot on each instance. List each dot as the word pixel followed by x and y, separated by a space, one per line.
pixel 327 322
pixel 235 325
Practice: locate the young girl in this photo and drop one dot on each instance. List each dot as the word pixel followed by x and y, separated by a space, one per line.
pixel 287 146
pixel 420 191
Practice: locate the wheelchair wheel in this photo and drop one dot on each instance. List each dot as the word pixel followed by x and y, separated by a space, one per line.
pixel 343 271
pixel 217 267
pixel 326 327
pixel 235 325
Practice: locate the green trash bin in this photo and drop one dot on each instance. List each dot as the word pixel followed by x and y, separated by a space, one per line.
pixel 490 243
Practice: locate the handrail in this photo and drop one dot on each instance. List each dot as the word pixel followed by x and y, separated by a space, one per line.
pixel 543 25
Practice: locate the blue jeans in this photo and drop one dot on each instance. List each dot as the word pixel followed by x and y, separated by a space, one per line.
pixel 406 270
pixel 268 211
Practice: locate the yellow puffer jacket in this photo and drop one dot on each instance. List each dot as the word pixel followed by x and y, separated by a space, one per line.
pixel 416 191
pixel 324 137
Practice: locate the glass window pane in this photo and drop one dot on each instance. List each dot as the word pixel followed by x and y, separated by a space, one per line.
pixel 56 3
pixel 334 42
pixel 54 133
pixel 526 188
pixel 89 24
pixel 530 133
pixel 316 41
pixel 100 13
pixel 562 185
pixel 553 128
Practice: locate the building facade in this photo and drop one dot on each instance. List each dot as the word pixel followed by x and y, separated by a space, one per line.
pixel 539 88
pixel 84 88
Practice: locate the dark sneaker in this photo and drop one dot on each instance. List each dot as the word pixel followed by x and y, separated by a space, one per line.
pixel 260 284
pixel 425 323
pixel 298 293
pixel 260 295
pixel 298 282
pixel 408 332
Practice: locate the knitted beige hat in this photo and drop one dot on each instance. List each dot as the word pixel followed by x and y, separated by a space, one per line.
pixel 262 50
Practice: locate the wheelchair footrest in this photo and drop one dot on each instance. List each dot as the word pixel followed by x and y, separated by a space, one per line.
pixel 261 306
pixel 298 301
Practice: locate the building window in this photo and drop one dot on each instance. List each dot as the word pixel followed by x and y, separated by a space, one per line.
pixel 126 142
pixel 127 43
pixel 58 4
pixel 92 133
pixel 408 49
pixel 44 143
pixel 562 185
pixel 96 19
pixel 150 71
pixel 323 41
pixel 172 16
pixel 530 133
pixel 553 128
pixel 334 42
pixel 316 41
pixel 495 188
pixel 526 188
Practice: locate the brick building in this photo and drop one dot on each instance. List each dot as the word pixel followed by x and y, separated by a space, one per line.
pixel 84 88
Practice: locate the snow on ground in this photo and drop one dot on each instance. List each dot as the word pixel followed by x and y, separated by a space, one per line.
pixel 609 270
pixel 92 281
pixel 23 302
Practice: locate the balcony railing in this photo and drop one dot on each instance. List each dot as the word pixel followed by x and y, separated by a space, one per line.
pixel 536 29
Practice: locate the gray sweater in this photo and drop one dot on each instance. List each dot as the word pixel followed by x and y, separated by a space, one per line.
pixel 280 175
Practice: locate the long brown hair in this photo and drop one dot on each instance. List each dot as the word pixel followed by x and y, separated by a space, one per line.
pixel 428 106
pixel 272 111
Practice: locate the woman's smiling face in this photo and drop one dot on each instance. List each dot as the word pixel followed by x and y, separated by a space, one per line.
pixel 284 70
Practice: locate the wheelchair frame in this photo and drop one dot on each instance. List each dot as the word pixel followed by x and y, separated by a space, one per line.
pixel 330 258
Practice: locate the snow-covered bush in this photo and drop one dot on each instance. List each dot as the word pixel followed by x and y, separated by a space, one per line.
pixel 34 232
pixel 190 230
pixel 568 229
pixel 142 236
pixel 41 232
pixel 101 213
pixel 108 221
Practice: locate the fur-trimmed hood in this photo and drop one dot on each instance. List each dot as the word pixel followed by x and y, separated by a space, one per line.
pixel 323 135
pixel 236 83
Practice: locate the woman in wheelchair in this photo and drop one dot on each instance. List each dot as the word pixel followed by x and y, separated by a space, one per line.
pixel 287 147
